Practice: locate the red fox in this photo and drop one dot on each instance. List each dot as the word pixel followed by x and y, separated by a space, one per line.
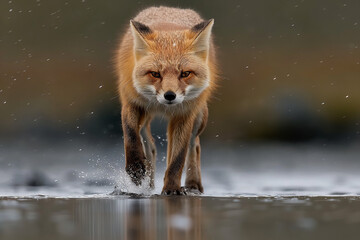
pixel 166 65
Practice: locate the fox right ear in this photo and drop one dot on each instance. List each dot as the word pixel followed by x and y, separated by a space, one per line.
pixel 140 32
pixel 201 35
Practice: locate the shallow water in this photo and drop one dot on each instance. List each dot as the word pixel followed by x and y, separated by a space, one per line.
pixel 240 170
pixel 157 217
pixel 251 192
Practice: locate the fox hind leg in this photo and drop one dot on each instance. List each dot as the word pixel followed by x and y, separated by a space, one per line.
pixel 193 172
pixel 149 149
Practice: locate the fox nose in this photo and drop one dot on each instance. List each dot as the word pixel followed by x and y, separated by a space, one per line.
pixel 169 95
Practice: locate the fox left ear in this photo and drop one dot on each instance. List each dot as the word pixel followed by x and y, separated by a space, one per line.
pixel 140 32
pixel 201 42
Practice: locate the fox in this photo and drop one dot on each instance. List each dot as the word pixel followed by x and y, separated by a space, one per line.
pixel 166 65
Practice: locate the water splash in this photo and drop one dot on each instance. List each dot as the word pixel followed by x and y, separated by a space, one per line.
pixel 125 186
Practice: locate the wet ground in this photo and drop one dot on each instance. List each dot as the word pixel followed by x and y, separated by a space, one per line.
pixel 251 192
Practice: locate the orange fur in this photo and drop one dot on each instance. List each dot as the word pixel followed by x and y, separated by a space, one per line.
pixel 166 50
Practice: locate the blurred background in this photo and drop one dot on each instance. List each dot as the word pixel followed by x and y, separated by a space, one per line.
pixel 290 70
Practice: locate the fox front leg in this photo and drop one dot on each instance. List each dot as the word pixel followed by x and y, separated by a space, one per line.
pixel 132 118
pixel 179 133
pixel 193 171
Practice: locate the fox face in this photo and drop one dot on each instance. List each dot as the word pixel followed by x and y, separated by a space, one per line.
pixel 171 66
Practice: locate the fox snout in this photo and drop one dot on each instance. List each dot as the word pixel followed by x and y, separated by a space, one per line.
pixel 170 90
pixel 169 97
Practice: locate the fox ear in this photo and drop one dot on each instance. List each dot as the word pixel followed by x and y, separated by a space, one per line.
pixel 140 32
pixel 202 37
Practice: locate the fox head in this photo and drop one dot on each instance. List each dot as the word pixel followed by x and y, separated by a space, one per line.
pixel 171 66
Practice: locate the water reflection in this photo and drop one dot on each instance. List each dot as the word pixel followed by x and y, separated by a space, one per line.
pixel 156 218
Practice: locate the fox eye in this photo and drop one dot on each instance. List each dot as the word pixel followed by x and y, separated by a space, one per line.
pixel 185 74
pixel 155 74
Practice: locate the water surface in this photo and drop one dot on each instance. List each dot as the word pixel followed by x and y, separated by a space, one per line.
pixel 157 217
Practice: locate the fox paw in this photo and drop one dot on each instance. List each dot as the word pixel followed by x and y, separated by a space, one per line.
pixel 179 191
pixel 136 172
pixel 193 187
pixel 193 191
